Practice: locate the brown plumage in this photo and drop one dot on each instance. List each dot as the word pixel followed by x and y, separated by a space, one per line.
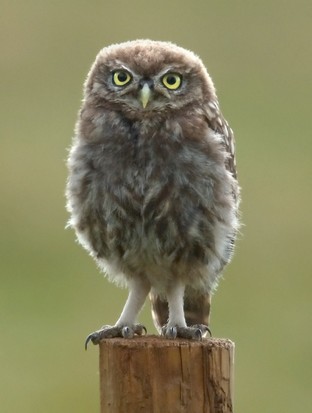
pixel 152 187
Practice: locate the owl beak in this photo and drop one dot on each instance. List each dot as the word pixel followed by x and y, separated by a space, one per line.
pixel 145 95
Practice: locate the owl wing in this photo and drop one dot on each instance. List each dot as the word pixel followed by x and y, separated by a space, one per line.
pixel 217 123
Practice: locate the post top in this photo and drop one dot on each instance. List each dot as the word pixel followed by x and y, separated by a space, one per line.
pixel 159 341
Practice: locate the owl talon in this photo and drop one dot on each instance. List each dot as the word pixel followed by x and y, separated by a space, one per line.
pixel 203 328
pixel 127 332
pixel 115 331
pixel 94 337
pixel 140 329
pixel 169 332
pixel 195 332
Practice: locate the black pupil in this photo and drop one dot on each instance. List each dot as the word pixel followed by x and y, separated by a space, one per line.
pixel 171 80
pixel 122 76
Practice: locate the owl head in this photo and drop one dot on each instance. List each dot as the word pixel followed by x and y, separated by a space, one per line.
pixel 143 78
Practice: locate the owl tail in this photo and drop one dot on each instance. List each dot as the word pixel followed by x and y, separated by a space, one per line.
pixel 196 309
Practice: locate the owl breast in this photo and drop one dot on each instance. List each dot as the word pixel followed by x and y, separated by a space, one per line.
pixel 151 200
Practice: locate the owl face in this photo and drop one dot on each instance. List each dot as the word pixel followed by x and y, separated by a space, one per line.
pixel 144 92
pixel 145 77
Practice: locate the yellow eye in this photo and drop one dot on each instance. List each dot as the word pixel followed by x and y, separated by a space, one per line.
pixel 172 81
pixel 121 77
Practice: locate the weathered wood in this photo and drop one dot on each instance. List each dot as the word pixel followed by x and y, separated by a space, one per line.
pixel 154 375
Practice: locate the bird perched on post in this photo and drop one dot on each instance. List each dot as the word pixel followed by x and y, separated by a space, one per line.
pixel 152 188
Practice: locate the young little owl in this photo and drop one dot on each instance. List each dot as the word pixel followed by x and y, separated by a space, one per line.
pixel 152 188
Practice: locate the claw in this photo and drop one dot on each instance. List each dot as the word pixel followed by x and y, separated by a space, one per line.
pixel 127 332
pixel 195 332
pixel 169 332
pixel 88 339
pixel 203 328
pixel 94 337
pixel 198 335
pixel 140 330
pixel 172 332
pixel 115 331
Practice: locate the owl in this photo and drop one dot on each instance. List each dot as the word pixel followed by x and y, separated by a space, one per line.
pixel 152 190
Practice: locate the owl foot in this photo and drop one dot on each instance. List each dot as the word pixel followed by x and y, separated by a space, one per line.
pixel 195 332
pixel 115 331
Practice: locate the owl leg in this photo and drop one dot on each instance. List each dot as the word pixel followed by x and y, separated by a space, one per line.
pixel 126 325
pixel 176 326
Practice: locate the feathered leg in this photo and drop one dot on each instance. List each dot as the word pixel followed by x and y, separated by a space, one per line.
pixel 176 326
pixel 196 309
pixel 126 325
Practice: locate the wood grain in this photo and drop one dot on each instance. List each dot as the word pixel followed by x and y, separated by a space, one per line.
pixel 154 375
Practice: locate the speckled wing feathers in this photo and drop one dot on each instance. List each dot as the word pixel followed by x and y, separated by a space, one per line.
pixel 217 123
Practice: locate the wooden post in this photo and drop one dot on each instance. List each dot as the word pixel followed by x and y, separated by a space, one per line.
pixel 151 374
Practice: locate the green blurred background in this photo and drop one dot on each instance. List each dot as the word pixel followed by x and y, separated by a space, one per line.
pixel 51 293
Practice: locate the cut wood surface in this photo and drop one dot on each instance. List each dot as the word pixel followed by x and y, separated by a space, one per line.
pixel 152 374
